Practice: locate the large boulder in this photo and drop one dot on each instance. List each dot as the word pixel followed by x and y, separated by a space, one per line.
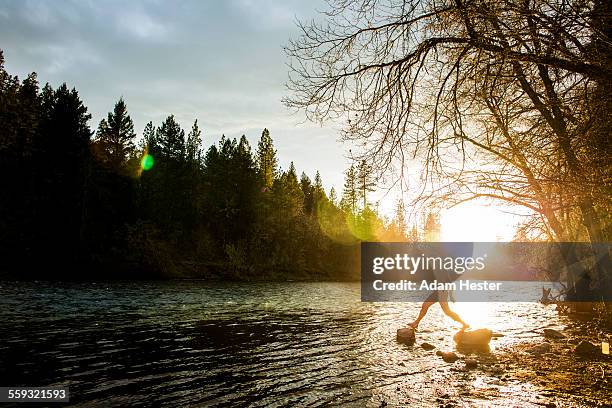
pixel 473 338
pixel 406 336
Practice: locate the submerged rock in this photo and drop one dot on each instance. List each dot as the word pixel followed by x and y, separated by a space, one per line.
pixel 539 349
pixel 553 334
pixel 586 348
pixel 471 363
pixel 449 356
pixel 406 336
pixel 427 346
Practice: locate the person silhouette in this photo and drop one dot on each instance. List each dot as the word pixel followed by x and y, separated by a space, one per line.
pixel 441 297
pixel 438 296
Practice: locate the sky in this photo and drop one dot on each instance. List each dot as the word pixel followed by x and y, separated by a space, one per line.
pixel 220 62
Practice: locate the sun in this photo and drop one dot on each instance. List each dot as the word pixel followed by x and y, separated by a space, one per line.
pixel 477 222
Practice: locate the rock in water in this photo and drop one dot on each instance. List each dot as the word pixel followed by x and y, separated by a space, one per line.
pixel 449 356
pixel 473 338
pixel 586 348
pixel 470 363
pixel 540 349
pixel 428 346
pixel 406 336
pixel 553 334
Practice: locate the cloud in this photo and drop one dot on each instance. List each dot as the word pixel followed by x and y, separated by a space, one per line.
pixel 141 25
pixel 61 59
pixel 218 61
pixel 39 13
pixel 267 14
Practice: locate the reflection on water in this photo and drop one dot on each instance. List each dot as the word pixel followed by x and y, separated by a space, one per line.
pixel 197 343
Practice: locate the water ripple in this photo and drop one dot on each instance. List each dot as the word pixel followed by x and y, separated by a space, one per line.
pixel 197 343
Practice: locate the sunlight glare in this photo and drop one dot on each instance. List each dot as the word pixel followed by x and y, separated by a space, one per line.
pixel 472 222
pixel 476 314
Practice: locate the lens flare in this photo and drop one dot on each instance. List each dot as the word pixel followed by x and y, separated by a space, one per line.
pixel 147 162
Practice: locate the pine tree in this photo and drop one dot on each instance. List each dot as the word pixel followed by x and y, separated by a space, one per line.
pixel 365 183
pixel 170 179
pixel 194 143
pixel 333 198
pixel 231 181
pixel 65 158
pixel 243 152
pixel 115 138
pixel 305 183
pixel 21 168
pixel 171 139
pixel 290 194
pixel 243 176
pixel 318 190
pixel 349 194
pixel 308 190
pixel 266 159
pixel 148 136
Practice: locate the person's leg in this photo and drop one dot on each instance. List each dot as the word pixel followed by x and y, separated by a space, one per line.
pixel 424 308
pixel 446 309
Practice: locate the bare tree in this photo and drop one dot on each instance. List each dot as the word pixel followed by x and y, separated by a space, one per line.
pixel 507 100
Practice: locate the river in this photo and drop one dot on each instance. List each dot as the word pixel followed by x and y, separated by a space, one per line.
pixel 182 343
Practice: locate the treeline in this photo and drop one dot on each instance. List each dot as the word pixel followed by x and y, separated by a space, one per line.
pixel 83 204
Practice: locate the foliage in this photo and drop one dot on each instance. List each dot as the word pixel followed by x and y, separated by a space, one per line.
pixel 90 206
pixel 114 143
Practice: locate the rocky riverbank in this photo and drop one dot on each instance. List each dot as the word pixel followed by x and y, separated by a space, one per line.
pixel 556 369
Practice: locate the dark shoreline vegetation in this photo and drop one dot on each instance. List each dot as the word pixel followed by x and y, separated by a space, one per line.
pixel 85 205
